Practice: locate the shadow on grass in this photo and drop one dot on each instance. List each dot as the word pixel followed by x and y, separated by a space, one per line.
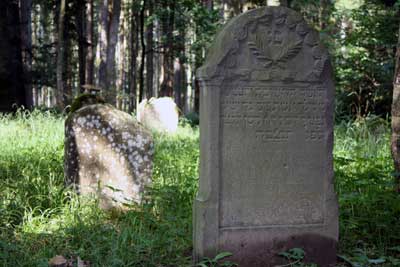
pixel 156 233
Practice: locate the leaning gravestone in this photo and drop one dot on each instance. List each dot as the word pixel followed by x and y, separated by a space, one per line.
pixel 107 153
pixel 266 171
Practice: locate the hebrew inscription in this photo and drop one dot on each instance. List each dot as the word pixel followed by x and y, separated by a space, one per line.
pixel 273 112
pixel 265 129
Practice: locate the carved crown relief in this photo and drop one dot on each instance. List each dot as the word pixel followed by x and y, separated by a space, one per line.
pixel 271 44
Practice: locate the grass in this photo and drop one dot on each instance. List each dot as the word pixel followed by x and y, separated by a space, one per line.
pixel 39 218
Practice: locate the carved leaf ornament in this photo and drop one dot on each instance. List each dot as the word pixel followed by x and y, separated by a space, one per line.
pixel 286 46
pixel 274 36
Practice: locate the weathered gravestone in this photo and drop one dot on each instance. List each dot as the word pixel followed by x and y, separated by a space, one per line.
pixel 159 114
pixel 107 153
pixel 266 171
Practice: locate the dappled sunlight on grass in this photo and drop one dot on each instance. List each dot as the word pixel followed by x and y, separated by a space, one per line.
pixel 40 218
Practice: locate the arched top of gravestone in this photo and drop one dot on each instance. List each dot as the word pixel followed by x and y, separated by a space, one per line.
pixel 266 44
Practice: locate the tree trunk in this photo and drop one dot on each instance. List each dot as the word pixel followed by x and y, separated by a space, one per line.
pixel 111 91
pixel 168 53
pixel 121 59
pixel 82 43
pixel 103 44
pixel 60 55
pixel 142 93
pixel 178 82
pixel 157 58
pixel 150 54
pixel 26 47
pixel 109 26
pixel 133 53
pixel 395 144
pixel 11 70
pixel 89 64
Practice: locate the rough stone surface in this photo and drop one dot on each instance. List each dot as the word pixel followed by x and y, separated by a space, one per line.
pixel 160 114
pixel 266 131
pixel 108 153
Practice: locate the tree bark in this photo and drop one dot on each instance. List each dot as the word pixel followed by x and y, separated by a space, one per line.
pixel 149 54
pixel 89 64
pixel 111 90
pixel 395 142
pixel 103 44
pixel 11 70
pixel 109 25
pixel 168 49
pixel 82 42
pixel 26 47
pixel 121 59
pixel 60 55
pixel 142 93
pixel 133 55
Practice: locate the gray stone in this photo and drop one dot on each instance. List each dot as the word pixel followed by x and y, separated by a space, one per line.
pixel 266 131
pixel 107 153
pixel 159 114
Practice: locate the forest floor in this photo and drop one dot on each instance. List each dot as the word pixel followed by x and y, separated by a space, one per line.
pixel 39 218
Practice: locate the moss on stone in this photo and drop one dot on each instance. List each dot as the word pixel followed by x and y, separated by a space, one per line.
pixel 84 100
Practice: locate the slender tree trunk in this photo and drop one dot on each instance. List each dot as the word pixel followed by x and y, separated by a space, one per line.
pixel 157 58
pixel 149 54
pixel 11 69
pixel 179 70
pixel 89 64
pixel 395 145
pixel 121 60
pixel 142 92
pixel 111 90
pixel 133 53
pixel 68 58
pixel 82 42
pixel 168 53
pixel 103 44
pixel 26 47
pixel 60 55
pixel 178 80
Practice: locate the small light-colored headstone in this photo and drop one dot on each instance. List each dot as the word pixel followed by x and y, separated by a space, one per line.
pixel 266 126
pixel 108 153
pixel 58 261
pixel 160 114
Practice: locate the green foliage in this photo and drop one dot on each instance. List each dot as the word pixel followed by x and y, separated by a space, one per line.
pixel 369 207
pixel 217 261
pixel 295 256
pixel 364 58
pixel 39 218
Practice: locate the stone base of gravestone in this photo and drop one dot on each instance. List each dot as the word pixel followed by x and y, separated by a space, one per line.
pixel 108 154
pixel 266 139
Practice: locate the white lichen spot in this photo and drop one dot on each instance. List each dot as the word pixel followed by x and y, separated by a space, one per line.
pixel 81 121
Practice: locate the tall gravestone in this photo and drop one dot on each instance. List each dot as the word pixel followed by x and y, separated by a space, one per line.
pixel 266 165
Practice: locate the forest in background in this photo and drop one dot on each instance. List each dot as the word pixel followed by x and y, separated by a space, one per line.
pixel 53 50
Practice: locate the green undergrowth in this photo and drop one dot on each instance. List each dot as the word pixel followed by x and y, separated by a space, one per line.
pixel 369 207
pixel 39 218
